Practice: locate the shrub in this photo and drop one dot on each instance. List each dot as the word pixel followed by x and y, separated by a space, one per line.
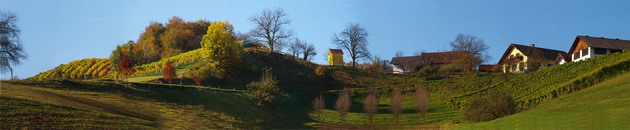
pixel 427 71
pixel 344 101
pixel 493 106
pixel 266 89
pixel 450 69
pixel 318 104
pixel 422 101
pixel 396 106
pixel 370 106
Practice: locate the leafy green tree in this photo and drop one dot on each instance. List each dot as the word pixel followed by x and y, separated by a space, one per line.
pixel 266 89
pixel 223 47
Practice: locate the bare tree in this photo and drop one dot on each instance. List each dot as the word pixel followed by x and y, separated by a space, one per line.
pixel 247 38
pixel 308 50
pixel 344 101
pixel 396 106
pixel 476 47
pixel 11 52
pixel 399 54
pixel 370 106
pixel 295 47
pixel 422 101
pixel 270 25
pixel 354 39
pixel 318 104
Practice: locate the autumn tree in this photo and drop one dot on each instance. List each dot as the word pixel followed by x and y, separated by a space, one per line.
pixel 422 101
pixel 125 67
pixel 11 52
pixel 343 103
pixel 370 106
pixel 199 72
pixel 168 72
pixel 266 89
pixel 150 42
pixel 224 50
pixel 396 104
pixel 354 39
pixel 271 26
pixel 476 48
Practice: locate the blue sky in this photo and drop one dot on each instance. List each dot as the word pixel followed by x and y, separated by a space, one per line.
pixel 59 31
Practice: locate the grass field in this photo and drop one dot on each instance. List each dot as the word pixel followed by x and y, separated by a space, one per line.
pixel 102 104
pixel 603 106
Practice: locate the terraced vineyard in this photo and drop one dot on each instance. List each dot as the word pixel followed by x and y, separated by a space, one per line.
pixel 79 69
pixel 549 83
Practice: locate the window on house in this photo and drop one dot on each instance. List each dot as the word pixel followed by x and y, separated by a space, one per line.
pixel 521 66
pixel 614 50
pixel 585 52
pixel 518 54
pixel 576 55
pixel 600 51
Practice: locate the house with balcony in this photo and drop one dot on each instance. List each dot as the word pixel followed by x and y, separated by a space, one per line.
pixel 585 47
pixel 521 58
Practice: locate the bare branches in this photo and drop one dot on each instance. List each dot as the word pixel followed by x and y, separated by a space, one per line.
pixel 308 50
pixel 10 45
pixel 396 106
pixel 477 48
pixel 371 104
pixel 318 104
pixel 344 101
pixel 354 39
pixel 270 25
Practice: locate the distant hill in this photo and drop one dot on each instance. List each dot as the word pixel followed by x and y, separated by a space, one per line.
pixel 549 83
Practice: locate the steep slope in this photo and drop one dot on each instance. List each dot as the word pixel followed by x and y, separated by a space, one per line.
pixel 603 106
pixel 549 83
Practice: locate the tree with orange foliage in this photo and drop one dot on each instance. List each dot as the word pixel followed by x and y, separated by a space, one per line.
pixel 168 72
pixel 125 67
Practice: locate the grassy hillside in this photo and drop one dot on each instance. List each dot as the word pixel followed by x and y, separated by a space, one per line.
pixel 603 106
pixel 549 83
pixel 103 104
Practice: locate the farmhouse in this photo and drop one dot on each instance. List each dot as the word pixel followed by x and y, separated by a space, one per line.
pixel 335 57
pixel 408 63
pixel 520 58
pixel 585 47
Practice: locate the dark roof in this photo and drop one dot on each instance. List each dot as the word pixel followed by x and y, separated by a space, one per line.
pixel 445 57
pixel 435 58
pixel 528 50
pixel 336 51
pixel 564 57
pixel 601 42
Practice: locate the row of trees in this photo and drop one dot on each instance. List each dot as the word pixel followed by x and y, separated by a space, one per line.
pixel 162 40
pixel 370 104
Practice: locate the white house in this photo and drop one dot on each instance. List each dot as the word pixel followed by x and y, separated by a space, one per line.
pixel 585 47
